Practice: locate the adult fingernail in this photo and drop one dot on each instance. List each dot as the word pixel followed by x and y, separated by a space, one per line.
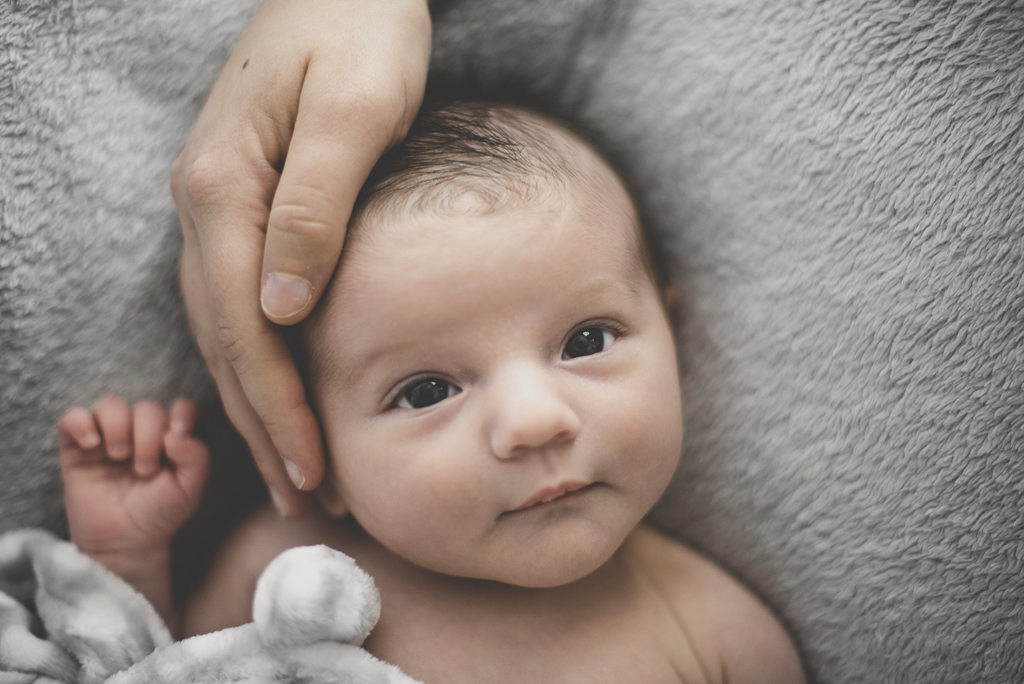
pixel 298 479
pixel 285 295
pixel 279 503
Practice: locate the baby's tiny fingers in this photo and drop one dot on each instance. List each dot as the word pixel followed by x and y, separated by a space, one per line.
pixel 114 416
pixel 150 426
pixel 76 429
pixel 184 414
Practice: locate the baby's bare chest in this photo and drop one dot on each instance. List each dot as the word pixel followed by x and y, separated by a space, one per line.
pixel 612 626
pixel 482 634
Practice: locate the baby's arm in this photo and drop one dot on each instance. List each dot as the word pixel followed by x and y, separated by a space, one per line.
pixel 131 480
pixel 224 599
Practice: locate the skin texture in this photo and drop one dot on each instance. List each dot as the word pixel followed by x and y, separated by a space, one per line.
pixel 265 186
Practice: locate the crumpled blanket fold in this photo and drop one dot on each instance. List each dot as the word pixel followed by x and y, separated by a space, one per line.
pixel 65 618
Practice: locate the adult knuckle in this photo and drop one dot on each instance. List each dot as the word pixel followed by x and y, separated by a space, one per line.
pixel 305 218
pixel 203 177
pixel 232 344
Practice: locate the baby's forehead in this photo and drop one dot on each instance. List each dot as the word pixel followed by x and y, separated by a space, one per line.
pixel 398 258
pixel 594 205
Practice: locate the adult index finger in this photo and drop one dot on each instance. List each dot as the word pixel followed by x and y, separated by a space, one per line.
pixel 238 342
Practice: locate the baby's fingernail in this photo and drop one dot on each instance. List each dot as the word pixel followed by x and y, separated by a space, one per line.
pixel 279 502
pixel 298 479
pixel 90 440
pixel 285 295
pixel 179 425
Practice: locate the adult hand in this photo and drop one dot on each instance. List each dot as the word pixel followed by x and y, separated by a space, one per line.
pixel 314 93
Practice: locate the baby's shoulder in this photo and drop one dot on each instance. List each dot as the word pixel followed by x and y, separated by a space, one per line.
pixel 224 599
pixel 733 633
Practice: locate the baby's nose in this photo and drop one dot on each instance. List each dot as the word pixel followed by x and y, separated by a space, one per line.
pixel 529 412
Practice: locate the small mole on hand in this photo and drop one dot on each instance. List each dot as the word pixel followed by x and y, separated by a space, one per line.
pixel 246 64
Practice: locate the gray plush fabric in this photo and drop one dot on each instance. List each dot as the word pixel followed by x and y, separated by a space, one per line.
pixel 841 183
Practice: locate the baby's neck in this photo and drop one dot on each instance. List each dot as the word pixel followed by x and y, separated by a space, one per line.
pixel 442 623
pixel 386 567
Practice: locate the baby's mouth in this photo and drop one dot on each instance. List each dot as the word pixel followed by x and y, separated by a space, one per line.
pixel 552 496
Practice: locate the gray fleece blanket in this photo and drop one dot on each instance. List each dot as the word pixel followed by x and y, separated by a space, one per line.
pixel 66 619
pixel 840 183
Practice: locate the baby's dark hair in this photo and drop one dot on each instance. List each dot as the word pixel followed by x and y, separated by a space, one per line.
pixel 499 154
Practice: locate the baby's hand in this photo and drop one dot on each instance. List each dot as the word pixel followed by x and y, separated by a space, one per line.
pixel 131 478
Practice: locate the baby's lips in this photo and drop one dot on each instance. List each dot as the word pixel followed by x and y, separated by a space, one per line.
pixel 557 492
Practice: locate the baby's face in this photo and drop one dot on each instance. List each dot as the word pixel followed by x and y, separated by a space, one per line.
pixel 499 391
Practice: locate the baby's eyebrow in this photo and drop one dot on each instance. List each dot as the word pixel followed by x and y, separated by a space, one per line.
pixel 338 370
pixel 360 366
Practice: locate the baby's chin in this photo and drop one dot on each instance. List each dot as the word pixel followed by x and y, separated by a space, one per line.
pixel 557 572
pixel 550 563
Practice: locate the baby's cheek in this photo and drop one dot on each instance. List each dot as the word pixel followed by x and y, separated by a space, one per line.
pixel 646 427
pixel 427 502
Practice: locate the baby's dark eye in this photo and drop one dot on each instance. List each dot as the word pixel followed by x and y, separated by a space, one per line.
pixel 586 342
pixel 428 392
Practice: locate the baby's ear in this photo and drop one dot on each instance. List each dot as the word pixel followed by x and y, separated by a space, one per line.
pixel 330 498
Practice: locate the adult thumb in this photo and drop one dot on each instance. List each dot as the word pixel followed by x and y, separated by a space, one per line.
pixel 340 133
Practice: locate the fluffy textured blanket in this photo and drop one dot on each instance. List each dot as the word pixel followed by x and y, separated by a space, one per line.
pixel 842 186
pixel 65 618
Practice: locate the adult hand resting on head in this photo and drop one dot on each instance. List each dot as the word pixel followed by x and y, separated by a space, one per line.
pixel 314 93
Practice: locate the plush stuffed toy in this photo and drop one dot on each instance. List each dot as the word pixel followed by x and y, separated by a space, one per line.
pixel 65 618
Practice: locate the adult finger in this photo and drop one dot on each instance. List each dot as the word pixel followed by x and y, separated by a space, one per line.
pixel 288 500
pixel 259 383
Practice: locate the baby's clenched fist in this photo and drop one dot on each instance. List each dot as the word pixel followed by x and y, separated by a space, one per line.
pixel 132 476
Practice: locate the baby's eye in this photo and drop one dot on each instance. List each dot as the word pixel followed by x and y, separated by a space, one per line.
pixel 586 342
pixel 427 392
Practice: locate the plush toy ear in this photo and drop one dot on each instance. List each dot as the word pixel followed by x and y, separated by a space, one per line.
pixel 330 498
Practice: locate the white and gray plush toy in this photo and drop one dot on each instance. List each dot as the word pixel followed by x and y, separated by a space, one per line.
pixel 65 618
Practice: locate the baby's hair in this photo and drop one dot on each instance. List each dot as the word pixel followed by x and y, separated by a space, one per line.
pixel 499 153
pixel 496 154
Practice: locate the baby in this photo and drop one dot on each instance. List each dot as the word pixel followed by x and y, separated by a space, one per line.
pixel 495 375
